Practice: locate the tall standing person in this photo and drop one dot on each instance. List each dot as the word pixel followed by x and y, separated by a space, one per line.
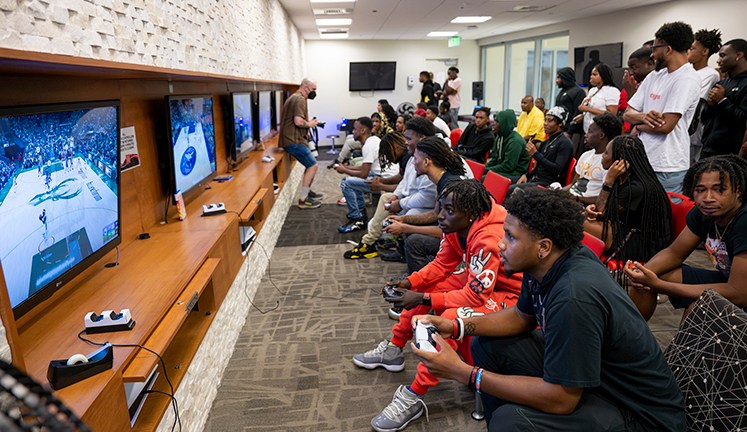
pixel 453 91
pixel 294 127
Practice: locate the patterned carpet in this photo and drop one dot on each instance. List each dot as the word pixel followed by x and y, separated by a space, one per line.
pixel 291 368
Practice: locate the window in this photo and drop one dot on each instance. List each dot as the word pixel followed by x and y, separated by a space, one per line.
pixel 513 70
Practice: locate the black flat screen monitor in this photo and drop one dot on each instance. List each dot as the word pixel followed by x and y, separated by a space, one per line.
pixel 59 195
pixel 242 112
pixel 277 108
pixel 265 115
pixel 369 76
pixel 191 141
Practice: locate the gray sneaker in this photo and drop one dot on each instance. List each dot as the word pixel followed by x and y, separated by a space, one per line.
pixel 405 407
pixel 387 356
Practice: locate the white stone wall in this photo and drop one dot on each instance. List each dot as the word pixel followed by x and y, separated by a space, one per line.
pixel 249 38
pixel 200 385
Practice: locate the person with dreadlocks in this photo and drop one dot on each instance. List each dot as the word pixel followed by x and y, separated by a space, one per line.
pixel 632 212
pixel 472 225
pixel 719 219
pixel 706 43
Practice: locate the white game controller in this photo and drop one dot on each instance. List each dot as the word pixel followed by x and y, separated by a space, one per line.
pixel 268 158
pixel 424 337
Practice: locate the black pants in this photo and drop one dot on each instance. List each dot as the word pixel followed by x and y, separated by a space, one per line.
pixel 524 355
pixel 420 250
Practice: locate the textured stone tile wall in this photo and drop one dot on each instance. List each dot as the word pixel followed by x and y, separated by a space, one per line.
pixel 249 38
pixel 200 385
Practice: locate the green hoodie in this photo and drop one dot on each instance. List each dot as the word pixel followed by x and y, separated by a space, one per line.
pixel 509 156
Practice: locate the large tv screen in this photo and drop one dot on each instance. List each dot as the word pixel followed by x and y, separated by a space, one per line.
pixel 243 124
pixel 192 141
pixel 59 195
pixel 585 58
pixel 369 76
pixel 265 115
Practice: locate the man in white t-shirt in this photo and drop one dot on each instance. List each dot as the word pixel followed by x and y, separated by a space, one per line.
pixel 707 43
pixel 357 184
pixel 453 91
pixel 589 176
pixel 664 105
pixel 431 113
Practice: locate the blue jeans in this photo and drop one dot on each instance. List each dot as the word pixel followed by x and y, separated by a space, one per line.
pixel 672 181
pixel 354 190
pixel 302 153
pixel 454 112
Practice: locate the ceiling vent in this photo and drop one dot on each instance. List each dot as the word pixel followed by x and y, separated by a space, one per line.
pixel 531 8
pixel 332 31
pixel 333 11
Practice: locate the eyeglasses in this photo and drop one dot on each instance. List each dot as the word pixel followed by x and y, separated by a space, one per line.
pixel 653 47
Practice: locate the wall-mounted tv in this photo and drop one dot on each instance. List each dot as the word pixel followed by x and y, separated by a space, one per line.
pixel 59 195
pixel 585 58
pixel 242 139
pixel 191 133
pixel 370 76
pixel 265 115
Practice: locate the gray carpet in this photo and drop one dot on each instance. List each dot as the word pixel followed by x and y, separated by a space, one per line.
pixel 291 368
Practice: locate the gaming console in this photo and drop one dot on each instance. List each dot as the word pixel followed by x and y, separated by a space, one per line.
pixel 213 209
pixel 424 337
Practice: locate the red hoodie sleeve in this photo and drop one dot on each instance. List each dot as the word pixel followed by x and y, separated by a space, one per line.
pixel 446 262
pixel 485 274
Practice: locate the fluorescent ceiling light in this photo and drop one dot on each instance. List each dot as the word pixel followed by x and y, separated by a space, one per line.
pixel 442 34
pixel 334 21
pixel 470 19
pixel 333 35
pixel 332 1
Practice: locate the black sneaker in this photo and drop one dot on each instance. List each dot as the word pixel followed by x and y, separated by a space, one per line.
pixel 308 203
pixel 392 256
pixel 352 225
pixel 361 251
pixel 314 195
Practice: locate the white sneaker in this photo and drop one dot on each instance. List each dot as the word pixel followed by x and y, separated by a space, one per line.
pixel 342 201
pixel 405 407
pixel 389 357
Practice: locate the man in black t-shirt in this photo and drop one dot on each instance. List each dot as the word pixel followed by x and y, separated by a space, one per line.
pixel 592 365
pixel 719 219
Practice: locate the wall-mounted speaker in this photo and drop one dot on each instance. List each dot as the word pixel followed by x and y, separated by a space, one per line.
pixel 477 90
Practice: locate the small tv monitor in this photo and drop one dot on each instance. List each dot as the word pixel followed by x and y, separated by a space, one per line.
pixel 277 108
pixel 242 113
pixel 59 195
pixel 191 133
pixel 370 76
pixel 264 115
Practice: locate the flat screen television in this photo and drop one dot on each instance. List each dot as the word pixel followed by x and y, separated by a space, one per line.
pixel 369 76
pixel 264 116
pixel 277 108
pixel 191 133
pixel 242 112
pixel 59 195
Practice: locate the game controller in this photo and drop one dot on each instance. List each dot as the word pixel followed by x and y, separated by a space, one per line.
pixel 391 294
pixel 386 222
pixel 424 337
pixel 213 209
pixel 268 158
pixel 387 205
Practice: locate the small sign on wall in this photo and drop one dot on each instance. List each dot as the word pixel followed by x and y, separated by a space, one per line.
pixel 129 156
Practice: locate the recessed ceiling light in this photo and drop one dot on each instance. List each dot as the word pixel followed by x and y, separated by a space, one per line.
pixel 332 1
pixel 442 34
pixel 333 35
pixel 470 19
pixel 334 21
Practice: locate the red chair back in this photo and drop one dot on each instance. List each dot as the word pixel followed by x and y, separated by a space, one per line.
pixel 477 168
pixel 532 163
pixel 497 185
pixel 569 173
pixel 454 137
pixel 596 245
pixel 679 212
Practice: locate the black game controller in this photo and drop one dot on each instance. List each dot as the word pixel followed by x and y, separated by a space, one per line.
pixel 391 293
pixel 386 222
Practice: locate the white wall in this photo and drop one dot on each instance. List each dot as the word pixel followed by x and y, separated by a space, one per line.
pixel 253 39
pixel 634 26
pixel 327 63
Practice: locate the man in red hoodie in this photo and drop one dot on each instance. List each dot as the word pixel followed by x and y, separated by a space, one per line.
pixel 465 279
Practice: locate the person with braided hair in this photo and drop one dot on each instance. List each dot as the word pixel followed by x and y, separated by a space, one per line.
pixel 465 279
pixel 632 212
pixel 719 219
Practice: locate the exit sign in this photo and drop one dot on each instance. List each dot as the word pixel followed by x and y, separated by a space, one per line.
pixel 455 41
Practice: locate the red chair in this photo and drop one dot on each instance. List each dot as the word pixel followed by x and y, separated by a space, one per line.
pixel 569 173
pixel 596 245
pixel 454 137
pixel 679 212
pixel 497 185
pixel 532 163
pixel 477 168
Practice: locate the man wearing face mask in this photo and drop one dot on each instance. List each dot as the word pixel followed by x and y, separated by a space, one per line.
pixel 294 127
